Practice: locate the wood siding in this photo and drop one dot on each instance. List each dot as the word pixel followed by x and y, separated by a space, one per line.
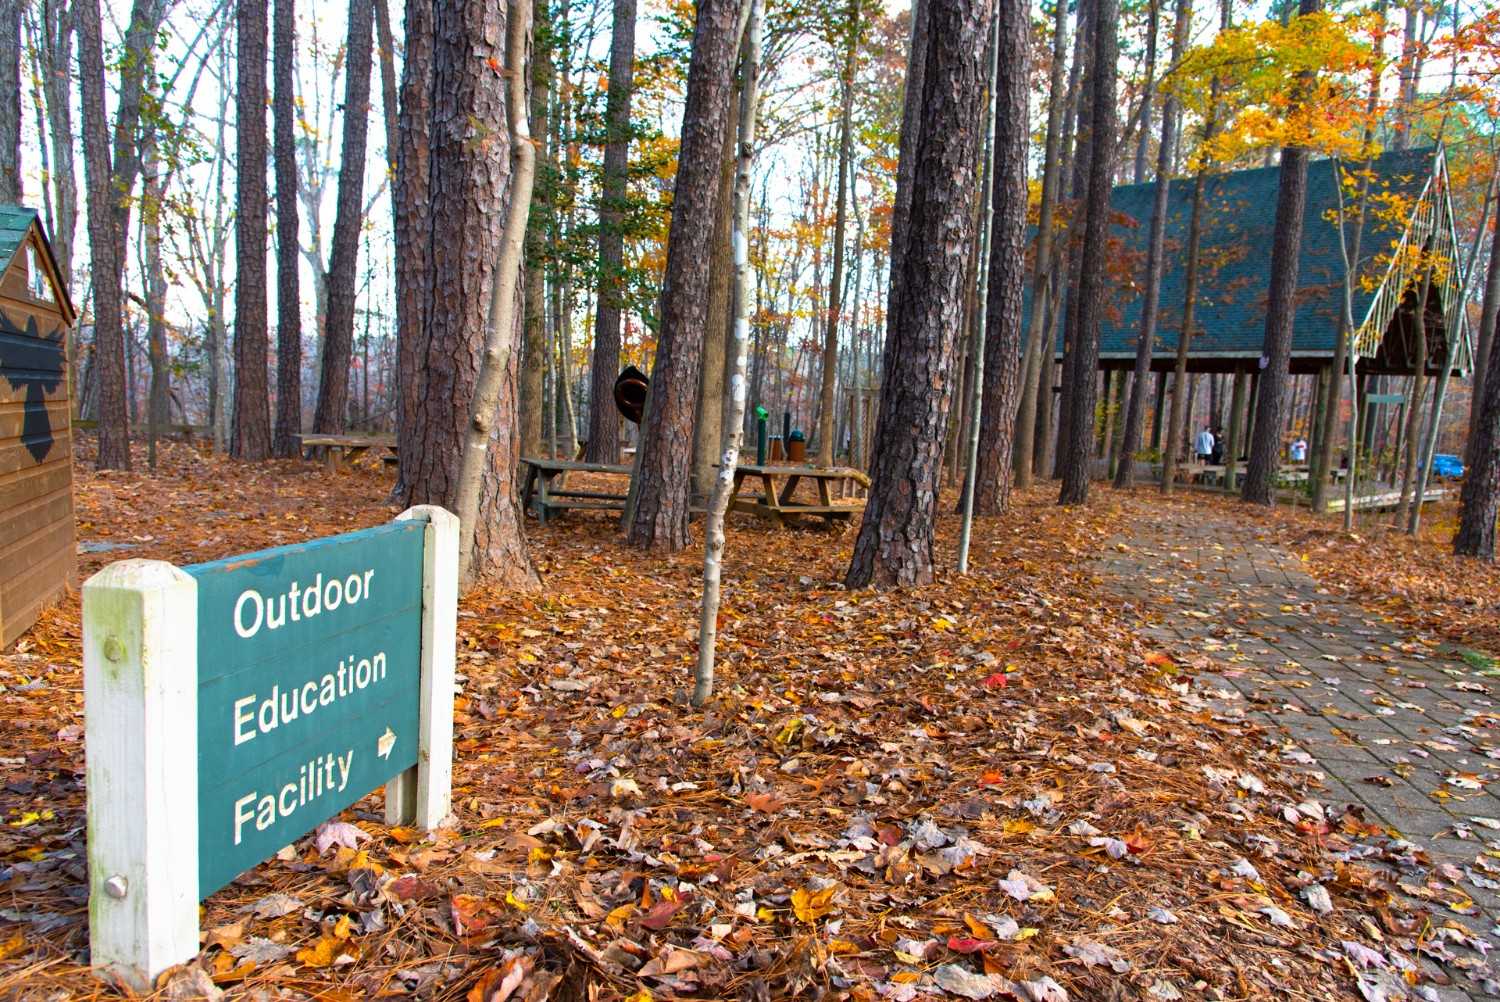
pixel 37 547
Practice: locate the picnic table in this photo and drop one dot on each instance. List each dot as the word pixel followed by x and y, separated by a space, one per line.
pixel 546 491
pixel 339 450
pixel 777 504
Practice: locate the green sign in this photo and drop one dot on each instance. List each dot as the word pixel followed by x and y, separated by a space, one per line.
pixel 309 670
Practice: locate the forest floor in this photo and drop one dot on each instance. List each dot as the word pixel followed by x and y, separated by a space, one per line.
pixel 1012 784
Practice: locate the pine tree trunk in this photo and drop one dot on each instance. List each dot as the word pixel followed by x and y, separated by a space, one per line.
pixel 251 435
pixel 1484 344
pixel 659 520
pixel 1178 417
pixel 389 103
pixel 1135 408
pixel 534 357
pixel 1038 351
pixel 10 102
pixel 1007 264
pixel 911 127
pixel 1081 111
pixel 1281 308
pixel 153 196
pixel 604 421
pixel 497 365
pixel 332 414
pixel 894 547
pixel 1480 499
pixel 285 442
pixel 412 192
pixel 826 407
pixel 57 22
pixel 1143 139
pixel 1078 426
pixel 732 418
pixel 1412 435
pixel 707 426
pixel 104 262
pixel 452 212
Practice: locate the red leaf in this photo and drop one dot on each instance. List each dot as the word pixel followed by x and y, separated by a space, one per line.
pixel 660 915
pixel 996 681
pixel 967 944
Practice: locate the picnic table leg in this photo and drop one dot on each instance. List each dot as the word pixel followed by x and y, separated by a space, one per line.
pixel 331 458
pixel 528 487
pixel 773 507
pixel 544 496
pixel 791 485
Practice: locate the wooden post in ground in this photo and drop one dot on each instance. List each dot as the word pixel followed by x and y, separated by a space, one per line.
pixel 1156 414
pixel 140 681
pixel 1321 416
pixel 422 795
pixel 1236 428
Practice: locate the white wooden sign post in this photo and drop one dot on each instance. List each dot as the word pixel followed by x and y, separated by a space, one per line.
pixel 232 707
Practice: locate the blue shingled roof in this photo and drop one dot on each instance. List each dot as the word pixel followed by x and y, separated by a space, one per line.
pixel 1238 223
pixel 15 220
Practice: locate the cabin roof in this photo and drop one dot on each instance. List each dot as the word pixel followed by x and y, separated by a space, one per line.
pixel 1238 227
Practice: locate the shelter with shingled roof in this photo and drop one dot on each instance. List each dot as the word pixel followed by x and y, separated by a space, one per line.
pixel 1239 216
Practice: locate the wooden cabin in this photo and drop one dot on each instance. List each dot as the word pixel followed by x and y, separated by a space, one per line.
pixel 37 550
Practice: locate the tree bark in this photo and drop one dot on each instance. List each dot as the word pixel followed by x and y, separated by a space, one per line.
pixel 826 405
pixel 137 69
pixel 911 126
pixel 285 442
pixel 1480 500
pixel 660 517
pixel 894 547
pixel 251 436
pixel 733 417
pixel 534 352
pixel 332 414
pixel 711 376
pixel 57 19
pixel 1484 344
pixel 1412 436
pixel 10 102
pixel 454 140
pixel 1007 263
pixel 153 196
pixel 1079 423
pixel 1038 354
pixel 1135 408
pixel 604 422
pixel 389 103
pixel 104 262
pixel 1143 139
pixel 498 363
pixel 1067 272
pixel 414 249
pixel 1179 415
pixel 1281 308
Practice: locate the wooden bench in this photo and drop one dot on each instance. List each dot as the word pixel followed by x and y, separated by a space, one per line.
pixel 545 491
pixel 777 505
pixel 341 450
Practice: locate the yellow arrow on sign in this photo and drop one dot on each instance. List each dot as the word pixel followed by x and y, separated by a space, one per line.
pixel 385 743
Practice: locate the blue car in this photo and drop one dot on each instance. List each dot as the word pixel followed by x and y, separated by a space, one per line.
pixel 1444 465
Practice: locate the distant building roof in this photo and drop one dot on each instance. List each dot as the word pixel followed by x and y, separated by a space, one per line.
pixel 1239 219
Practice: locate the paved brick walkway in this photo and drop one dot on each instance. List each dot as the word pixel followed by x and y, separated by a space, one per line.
pixel 1394 722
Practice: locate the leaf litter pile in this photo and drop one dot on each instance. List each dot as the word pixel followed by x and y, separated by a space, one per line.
pixel 985 788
